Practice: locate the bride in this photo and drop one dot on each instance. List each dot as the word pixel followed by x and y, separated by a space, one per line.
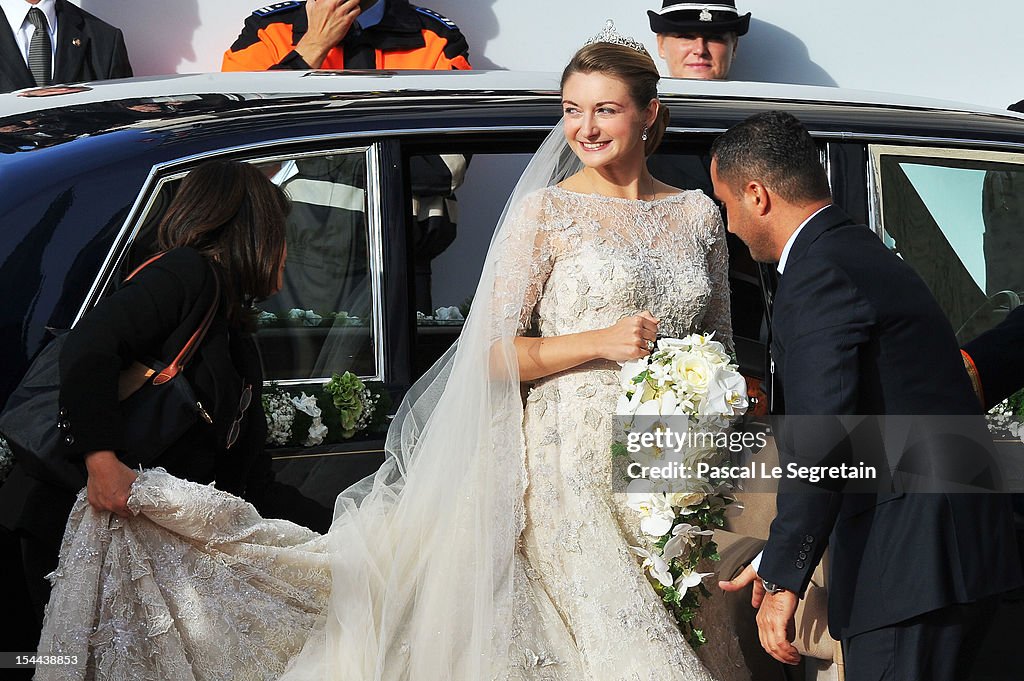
pixel 489 545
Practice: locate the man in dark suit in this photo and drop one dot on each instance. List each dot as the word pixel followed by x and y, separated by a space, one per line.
pixel 995 359
pixel 52 41
pixel 914 576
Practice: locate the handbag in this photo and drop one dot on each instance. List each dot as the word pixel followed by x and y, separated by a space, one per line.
pixel 158 404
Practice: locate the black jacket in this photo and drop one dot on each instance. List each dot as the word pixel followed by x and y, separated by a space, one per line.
pixel 999 359
pixel 856 332
pixel 151 317
pixel 87 49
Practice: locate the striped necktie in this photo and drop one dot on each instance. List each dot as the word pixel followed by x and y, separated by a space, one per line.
pixel 40 54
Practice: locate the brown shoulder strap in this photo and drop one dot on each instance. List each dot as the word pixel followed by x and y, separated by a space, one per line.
pixel 190 347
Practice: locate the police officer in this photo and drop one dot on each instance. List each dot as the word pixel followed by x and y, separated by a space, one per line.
pixel 696 39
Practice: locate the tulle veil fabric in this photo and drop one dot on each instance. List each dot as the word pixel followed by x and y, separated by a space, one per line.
pixel 422 552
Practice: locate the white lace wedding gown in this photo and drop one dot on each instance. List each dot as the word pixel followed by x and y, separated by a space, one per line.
pixel 198 586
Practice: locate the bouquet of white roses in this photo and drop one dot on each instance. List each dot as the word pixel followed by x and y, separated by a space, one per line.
pixel 689 385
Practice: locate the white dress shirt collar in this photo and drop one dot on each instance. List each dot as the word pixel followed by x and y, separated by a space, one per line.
pixel 792 238
pixel 16 12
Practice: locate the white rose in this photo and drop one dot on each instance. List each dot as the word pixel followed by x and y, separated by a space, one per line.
pixel 684 500
pixel 693 373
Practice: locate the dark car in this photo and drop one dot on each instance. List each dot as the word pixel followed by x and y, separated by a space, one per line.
pixel 378 289
pixel 86 174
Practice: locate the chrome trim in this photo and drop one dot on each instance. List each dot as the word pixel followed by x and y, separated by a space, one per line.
pixel 940 142
pixel 102 280
pixel 937 153
pixel 873 186
pixel 874 178
pixel 825 156
pixel 869 138
pixel 375 242
pixel 284 457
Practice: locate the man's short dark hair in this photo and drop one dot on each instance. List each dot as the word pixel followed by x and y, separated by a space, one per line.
pixel 775 149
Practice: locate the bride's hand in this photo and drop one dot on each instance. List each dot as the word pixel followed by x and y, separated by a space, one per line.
pixel 110 482
pixel 629 338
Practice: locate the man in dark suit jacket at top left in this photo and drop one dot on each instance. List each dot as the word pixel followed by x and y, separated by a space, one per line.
pixel 52 41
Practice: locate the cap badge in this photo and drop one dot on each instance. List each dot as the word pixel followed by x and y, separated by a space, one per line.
pixel 705 14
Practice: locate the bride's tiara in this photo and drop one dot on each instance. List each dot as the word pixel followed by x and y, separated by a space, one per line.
pixel 610 35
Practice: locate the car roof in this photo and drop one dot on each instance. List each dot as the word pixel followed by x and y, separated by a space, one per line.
pixel 270 84
pixel 197 113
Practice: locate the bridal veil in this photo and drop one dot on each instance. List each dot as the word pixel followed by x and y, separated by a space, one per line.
pixel 422 552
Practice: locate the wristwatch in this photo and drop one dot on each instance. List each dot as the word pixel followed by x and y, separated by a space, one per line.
pixel 772 587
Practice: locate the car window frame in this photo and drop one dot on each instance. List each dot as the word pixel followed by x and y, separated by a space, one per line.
pixel 276 151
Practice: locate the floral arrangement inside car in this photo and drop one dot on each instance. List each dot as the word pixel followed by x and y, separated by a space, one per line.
pixel 308 318
pixel 675 418
pixel 451 315
pixel 343 408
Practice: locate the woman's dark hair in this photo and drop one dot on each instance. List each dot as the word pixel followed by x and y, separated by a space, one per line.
pixel 634 68
pixel 232 214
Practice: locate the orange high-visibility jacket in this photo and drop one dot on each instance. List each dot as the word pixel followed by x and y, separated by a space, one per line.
pixel 407 37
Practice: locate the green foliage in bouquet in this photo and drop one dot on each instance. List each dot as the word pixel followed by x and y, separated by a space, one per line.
pixel 685 604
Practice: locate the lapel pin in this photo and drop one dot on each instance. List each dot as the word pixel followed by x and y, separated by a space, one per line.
pixel 77 42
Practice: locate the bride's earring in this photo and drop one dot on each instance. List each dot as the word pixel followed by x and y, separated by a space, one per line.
pixel 644 135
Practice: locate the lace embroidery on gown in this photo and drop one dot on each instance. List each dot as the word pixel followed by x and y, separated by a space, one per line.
pixel 196 586
pixel 599 259
pixel 199 586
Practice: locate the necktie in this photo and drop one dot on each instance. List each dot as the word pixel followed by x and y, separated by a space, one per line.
pixel 40 55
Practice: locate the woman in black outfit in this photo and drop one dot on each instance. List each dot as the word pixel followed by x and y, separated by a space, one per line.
pixel 226 216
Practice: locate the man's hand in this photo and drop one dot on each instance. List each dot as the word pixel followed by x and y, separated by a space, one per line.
pixel 110 482
pixel 775 616
pixel 329 23
pixel 776 626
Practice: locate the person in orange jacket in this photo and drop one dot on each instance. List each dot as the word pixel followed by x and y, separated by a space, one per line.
pixel 347 34
pixel 364 34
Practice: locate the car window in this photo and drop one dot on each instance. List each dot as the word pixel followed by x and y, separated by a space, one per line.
pixel 958 218
pixel 326 317
pixel 448 258
pixel 452 226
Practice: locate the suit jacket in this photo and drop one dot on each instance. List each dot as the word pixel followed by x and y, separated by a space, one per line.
pixel 87 49
pixel 856 332
pixel 998 358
